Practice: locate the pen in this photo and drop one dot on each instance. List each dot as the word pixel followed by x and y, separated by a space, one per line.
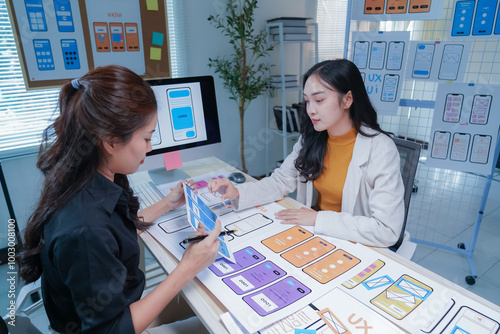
pixel 201 237
pixel 223 202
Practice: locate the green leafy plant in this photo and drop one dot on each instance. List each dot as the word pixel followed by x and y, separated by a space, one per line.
pixel 244 72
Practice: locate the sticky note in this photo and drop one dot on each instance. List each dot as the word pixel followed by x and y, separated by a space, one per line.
pixel 172 160
pixel 157 38
pixel 154 53
pixel 152 4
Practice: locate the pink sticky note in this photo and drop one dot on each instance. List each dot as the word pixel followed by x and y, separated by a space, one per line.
pixel 200 184
pixel 172 160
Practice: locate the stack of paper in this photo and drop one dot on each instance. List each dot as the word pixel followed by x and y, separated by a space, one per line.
pixel 290 81
pixel 294 29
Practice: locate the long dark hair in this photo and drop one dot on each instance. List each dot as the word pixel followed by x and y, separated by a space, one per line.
pixel 107 102
pixel 343 76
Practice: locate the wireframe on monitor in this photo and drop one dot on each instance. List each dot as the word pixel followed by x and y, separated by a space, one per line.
pixel 187 119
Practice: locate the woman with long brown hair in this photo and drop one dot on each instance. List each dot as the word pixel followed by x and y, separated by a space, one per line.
pixel 82 237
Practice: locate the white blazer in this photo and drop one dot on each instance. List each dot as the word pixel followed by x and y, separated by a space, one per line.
pixel 372 198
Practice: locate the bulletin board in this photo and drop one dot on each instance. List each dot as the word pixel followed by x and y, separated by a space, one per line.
pixel 58 40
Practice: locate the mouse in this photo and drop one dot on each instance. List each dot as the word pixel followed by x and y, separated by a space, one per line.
pixel 237 177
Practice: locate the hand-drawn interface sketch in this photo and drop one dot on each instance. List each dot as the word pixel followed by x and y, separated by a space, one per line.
pixel 281 272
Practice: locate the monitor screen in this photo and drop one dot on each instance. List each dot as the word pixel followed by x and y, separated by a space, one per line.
pixel 187 118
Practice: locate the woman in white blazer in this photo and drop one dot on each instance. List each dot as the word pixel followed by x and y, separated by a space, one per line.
pixel 372 206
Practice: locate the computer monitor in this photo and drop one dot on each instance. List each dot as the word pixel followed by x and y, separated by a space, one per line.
pixel 187 122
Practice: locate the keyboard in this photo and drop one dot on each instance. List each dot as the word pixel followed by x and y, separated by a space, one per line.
pixel 148 194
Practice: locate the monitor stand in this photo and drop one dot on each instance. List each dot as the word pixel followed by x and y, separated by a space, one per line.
pixel 162 176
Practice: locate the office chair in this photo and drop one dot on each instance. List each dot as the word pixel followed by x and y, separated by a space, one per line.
pixel 29 313
pixel 10 209
pixel 30 316
pixel 409 153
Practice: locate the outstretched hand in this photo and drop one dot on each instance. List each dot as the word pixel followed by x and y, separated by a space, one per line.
pixel 302 216
pixel 176 197
pixel 223 187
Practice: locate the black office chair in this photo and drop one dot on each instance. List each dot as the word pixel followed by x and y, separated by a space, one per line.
pixel 409 153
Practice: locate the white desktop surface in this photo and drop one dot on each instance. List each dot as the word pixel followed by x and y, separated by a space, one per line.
pixel 207 306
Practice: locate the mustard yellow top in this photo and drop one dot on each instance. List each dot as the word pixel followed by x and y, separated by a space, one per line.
pixel 331 181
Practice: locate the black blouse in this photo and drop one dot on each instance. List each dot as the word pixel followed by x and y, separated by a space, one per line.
pixel 91 262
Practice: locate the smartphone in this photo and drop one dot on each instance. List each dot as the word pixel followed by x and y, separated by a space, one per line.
pixel 462 18
pixel 497 22
pixel 331 266
pixel 419 6
pixel 402 297
pixel 453 108
pixel 101 37
pixel 390 88
pixel 377 55
pixel 36 15
pixel 132 36
pixel 480 113
pixel 173 225
pixel 181 113
pixel 244 258
pixel 450 61
pixel 64 16
pixel 254 278
pixel 483 19
pixel 480 149
pixel 43 54
pixel 287 239
pixel 361 49
pixel 374 6
pixel 199 211
pixel 423 61
pixel 277 296
pixel 249 224
pixel 395 55
pixel 70 54
pixel 334 324
pixel 396 6
pixel 467 320
pixel 460 146
pixel 307 252
pixel 440 145
pixel 117 37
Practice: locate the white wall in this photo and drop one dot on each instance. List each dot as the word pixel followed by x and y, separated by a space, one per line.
pixel 205 41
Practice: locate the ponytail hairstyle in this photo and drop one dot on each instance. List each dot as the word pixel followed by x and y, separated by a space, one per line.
pixel 342 76
pixel 107 102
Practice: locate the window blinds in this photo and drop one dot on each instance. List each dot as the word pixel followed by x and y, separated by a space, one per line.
pixel 23 114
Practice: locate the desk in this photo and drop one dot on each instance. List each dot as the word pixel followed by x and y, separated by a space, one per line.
pixel 203 302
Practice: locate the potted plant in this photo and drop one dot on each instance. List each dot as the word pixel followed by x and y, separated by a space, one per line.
pixel 244 72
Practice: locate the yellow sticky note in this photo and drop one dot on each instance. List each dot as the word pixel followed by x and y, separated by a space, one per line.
pixel 152 4
pixel 154 53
